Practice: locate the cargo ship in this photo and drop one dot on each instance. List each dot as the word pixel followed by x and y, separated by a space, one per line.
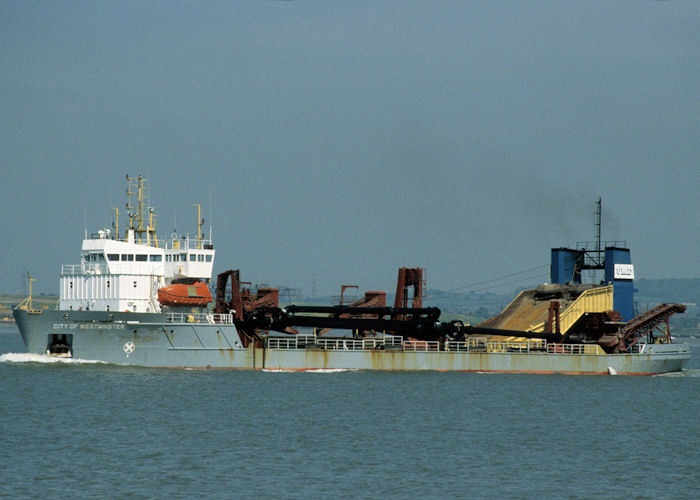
pixel 136 300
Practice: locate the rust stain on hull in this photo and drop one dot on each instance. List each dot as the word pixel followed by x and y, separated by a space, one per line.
pixel 534 363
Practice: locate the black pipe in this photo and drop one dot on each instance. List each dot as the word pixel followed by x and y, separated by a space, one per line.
pixel 424 328
pixel 280 320
pixel 480 330
pixel 432 312
pixel 393 325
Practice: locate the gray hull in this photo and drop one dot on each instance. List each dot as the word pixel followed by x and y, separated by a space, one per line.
pixel 159 340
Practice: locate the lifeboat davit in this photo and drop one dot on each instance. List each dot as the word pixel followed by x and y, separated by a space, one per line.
pixel 182 294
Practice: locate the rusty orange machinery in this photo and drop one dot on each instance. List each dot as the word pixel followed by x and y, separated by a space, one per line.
pixel 254 315
pixel 260 313
pixel 195 294
pixel 372 299
pixel 242 300
pixel 409 277
pixel 410 285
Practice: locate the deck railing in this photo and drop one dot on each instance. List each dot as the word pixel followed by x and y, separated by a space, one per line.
pixel 572 349
pixel 421 345
pixel 85 268
pixel 411 345
pixel 209 318
pixel 284 343
pixel 342 344
pixel 477 345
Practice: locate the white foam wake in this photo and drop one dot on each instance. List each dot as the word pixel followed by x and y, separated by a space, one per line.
pixel 333 370
pixel 684 373
pixel 28 357
pixel 313 370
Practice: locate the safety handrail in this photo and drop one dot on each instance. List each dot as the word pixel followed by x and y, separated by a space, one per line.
pixel 421 345
pixel 472 345
pixel 573 349
pixel 209 318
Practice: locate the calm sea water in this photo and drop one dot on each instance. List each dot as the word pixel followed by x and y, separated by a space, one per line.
pixel 75 430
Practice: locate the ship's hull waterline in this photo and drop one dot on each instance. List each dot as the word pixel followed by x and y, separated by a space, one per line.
pixel 154 340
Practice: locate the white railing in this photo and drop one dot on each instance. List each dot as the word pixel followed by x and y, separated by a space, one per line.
pixel 177 242
pixel 88 268
pixel 296 342
pixel 118 267
pixel 466 346
pixel 471 345
pixel 226 319
pixel 350 344
pixel 522 346
pixel 572 348
pixel 342 344
pixel 187 243
pixel 421 345
pixel 282 343
pixel 306 338
pixel 484 345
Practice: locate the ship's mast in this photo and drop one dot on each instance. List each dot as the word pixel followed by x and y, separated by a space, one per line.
pixel 116 224
pixel 200 223
pixel 152 226
pixel 598 224
pixel 26 304
pixel 29 299
pixel 135 188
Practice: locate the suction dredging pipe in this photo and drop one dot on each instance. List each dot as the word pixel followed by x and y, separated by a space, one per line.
pixel 461 331
pixel 432 313
pixel 420 323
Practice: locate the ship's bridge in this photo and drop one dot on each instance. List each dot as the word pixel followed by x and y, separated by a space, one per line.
pixel 126 274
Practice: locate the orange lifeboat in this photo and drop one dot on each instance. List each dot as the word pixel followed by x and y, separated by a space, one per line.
pixel 182 294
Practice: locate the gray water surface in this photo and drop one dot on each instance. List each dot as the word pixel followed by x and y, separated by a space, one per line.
pixel 76 430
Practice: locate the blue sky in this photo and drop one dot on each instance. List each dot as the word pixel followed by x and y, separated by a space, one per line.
pixel 332 142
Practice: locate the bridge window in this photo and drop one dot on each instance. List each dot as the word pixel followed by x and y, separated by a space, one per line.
pixel 200 258
pixel 208 258
pixel 193 257
pixel 155 258
pixel 112 256
pixel 141 257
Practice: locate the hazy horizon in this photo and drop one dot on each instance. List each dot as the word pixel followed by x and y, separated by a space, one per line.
pixel 331 143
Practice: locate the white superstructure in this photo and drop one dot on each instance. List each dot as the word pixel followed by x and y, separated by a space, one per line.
pixel 125 274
